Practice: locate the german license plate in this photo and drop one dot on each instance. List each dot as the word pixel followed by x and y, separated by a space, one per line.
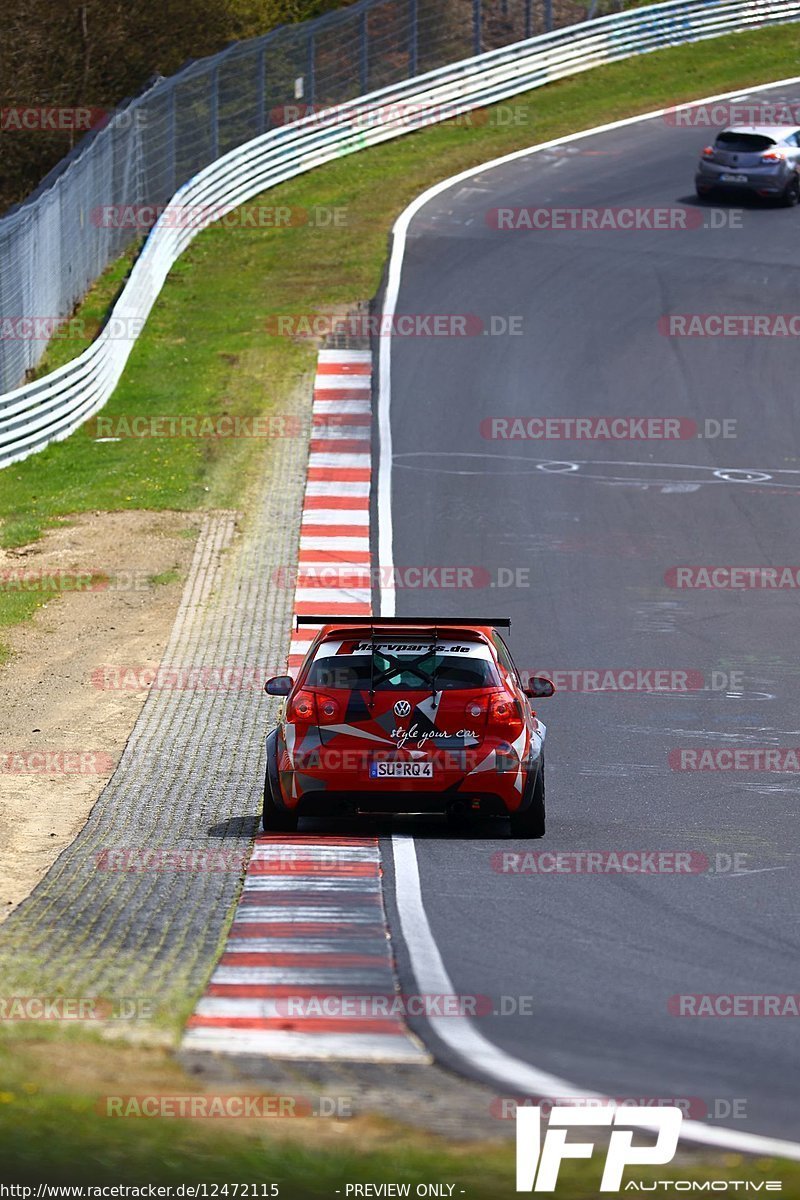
pixel 401 770
pixel 733 178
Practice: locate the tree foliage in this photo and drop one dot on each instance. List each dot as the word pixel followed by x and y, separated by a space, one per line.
pixel 94 53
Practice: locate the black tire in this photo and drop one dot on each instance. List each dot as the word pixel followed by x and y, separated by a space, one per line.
pixel 791 195
pixel 530 823
pixel 275 818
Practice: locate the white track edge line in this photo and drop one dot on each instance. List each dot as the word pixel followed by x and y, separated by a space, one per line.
pixel 426 961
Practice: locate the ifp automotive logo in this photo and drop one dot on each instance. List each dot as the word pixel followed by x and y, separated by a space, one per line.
pixel 538 1165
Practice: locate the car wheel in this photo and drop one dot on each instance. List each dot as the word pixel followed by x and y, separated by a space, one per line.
pixel 275 818
pixel 531 821
pixel 791 196
pixel 703 193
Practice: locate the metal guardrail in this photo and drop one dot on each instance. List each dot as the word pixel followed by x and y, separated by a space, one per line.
pixel 51 408
pixel 57 242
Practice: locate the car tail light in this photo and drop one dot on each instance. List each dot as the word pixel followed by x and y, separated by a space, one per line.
pixel 329 709
pixel 301 709
pixel 772 156
pixel 708 152
pixel 504 713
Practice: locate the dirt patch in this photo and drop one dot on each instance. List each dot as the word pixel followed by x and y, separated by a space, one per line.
pixel 56 695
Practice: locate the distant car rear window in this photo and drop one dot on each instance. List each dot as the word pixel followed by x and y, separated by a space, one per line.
pixel 442 671
pixel 745 143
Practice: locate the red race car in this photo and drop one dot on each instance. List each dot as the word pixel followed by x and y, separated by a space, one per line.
pixel 407 715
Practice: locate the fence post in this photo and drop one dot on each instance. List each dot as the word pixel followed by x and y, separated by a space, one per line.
pixel 261 90
pixel 413 36
pixel 363 54
pixel 214 113
pixel 548 16
pixel 528 23
pixel 172 143
pixel 309 98
pixel 476 27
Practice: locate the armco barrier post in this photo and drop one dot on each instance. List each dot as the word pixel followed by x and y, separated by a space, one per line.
pixel 413 35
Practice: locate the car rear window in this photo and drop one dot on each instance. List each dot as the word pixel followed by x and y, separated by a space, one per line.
pixel 398 667
pixel 745 143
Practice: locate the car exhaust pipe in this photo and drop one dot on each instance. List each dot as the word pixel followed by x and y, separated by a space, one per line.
pixel 457 809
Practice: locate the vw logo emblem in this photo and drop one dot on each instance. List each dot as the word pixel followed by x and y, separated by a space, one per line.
pixel 402 708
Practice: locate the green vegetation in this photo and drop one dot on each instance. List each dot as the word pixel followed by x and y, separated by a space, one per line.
pixel 56 1095
pixel 92 55
pixel 164 577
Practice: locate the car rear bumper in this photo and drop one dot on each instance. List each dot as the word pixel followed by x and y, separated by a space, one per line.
pixel 333 778
pixel 756 182
pixel 349 803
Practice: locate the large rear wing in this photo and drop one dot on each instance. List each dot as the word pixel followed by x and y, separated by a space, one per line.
pixel 395 622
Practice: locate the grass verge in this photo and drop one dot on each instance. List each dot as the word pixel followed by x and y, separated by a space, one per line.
pixel 61 1121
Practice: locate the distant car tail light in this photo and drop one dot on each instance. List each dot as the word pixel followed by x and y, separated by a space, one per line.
pixel 772 156
pixel 708 152
pixel 504 714
pixel 302 709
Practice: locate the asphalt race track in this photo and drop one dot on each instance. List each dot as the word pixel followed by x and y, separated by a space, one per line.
pixel 594 526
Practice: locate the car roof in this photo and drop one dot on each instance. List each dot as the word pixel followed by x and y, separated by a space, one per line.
pixel 776 132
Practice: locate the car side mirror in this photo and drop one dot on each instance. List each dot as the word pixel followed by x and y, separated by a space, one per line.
pixel 279 685
pixel 539 686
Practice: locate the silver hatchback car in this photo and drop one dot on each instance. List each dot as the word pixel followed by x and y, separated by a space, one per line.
pixel 761 159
